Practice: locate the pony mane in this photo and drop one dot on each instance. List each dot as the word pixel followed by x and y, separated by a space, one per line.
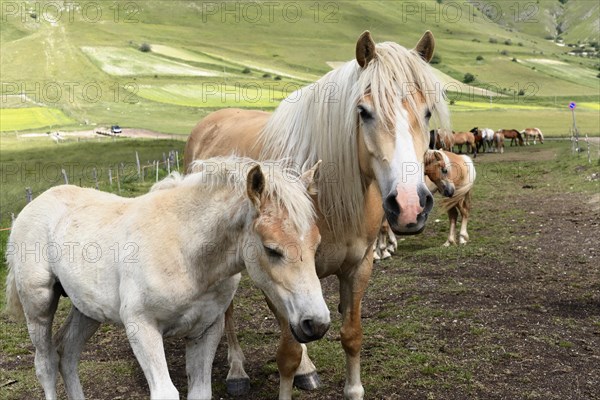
pixel 320 122
pixel 282 185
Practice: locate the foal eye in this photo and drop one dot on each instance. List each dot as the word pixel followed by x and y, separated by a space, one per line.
pixel 444 171
pixel 364 113
pixel 273 253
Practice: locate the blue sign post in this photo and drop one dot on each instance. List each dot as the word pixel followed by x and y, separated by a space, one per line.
pixel 572 106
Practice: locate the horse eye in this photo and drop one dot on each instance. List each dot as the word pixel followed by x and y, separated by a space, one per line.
pixel 273 253
pixel 364 114
pixel 444 171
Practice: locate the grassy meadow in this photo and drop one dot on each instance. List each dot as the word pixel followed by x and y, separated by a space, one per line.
pixel 204 56
pixel 438 322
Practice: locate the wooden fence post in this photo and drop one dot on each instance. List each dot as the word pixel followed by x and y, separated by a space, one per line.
pixel 28 194
pixel 177 159
pixel 156 162
pixel 110 176
pixel 139 170
pixel 65 177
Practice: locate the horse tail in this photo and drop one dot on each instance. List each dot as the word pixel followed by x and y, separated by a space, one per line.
pixel 462 190
pixel 13 303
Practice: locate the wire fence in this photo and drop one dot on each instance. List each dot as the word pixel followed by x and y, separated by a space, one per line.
pixel 112 178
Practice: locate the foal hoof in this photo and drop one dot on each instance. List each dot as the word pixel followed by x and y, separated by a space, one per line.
pixel 238 386
pixel 308 381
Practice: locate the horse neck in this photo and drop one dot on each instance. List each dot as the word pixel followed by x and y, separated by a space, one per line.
pixel 213 224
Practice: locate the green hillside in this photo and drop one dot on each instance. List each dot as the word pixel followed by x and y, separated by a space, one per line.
pixel 83 59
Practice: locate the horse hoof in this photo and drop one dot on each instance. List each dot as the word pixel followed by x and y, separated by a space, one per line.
pixel 308 381
pixel 238 386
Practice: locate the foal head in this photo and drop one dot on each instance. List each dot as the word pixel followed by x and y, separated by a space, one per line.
pixel 280 246
pixel 437 168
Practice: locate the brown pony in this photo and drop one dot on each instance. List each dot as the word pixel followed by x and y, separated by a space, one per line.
pixel 534 133
pixel 467 138
pixel 372 141
pixel 513 135
pixel 453 176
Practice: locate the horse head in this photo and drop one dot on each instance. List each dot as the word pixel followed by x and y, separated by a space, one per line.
pixel 437 169
pixel 396 99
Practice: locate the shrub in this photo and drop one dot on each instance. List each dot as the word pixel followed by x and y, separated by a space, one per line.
pixel 522 92
pixel 265 75
pixel 508 42
pixel 246 70
pixel 493 40
pixel 277 78
pixel 514 59
pixel 468 78
pixel 479 58
pixel 145 48
pixel 436 59
pixel 504 52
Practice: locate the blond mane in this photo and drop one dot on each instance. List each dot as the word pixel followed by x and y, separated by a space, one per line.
pixel 320 122
pixel 283 185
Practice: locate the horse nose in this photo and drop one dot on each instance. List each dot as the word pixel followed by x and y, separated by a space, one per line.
pixel 313 330
pixel 448 191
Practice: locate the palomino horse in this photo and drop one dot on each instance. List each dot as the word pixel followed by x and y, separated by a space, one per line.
pixel 461 138
pixel 512 134
pixel 484 138
pixel 171 265
pixel 534 133
pixel 453 176
pixel 370 129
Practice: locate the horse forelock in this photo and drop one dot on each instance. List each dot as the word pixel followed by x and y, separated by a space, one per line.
pixel 282 185
pixel 320 122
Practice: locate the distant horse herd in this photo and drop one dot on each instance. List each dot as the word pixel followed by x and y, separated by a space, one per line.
pixel 486 140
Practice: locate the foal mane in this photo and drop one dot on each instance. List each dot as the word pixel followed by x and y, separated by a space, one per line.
pixel 320 122
pixel 282 185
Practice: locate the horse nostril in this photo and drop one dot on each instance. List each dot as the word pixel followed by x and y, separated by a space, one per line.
pixel 308 327
pixel 390 204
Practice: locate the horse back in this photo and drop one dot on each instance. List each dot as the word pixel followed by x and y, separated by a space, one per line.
pixel 225 132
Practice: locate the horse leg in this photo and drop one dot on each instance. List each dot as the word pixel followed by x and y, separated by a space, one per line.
pixel 463 207
pixel 393 242
pixel 289 355
pixel 452 216
pixel 352 288
pixel 238 382
pixel 70 340
pixel 39 305
pixel 147 344
pixel 199 355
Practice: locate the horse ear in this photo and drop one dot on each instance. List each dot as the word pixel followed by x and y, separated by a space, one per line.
pixel 308 179
pixel 255 185
pixel 438 155
pixel 365 49
pixel 425 46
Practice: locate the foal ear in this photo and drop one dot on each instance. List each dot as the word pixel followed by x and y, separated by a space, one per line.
pixel 438 155
pixel 365 49
pixel 425 46
pixel 308 179
pixel 255 185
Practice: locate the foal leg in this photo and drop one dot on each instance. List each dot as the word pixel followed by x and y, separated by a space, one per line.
pixel 39 312
pixel 70 340
pixel 452 216
pixel 238 382
pixel 352 288
pixel 147 344
pixel 199 356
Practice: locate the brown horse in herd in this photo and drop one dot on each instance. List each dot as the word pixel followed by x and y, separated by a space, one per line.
pixel 512 134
